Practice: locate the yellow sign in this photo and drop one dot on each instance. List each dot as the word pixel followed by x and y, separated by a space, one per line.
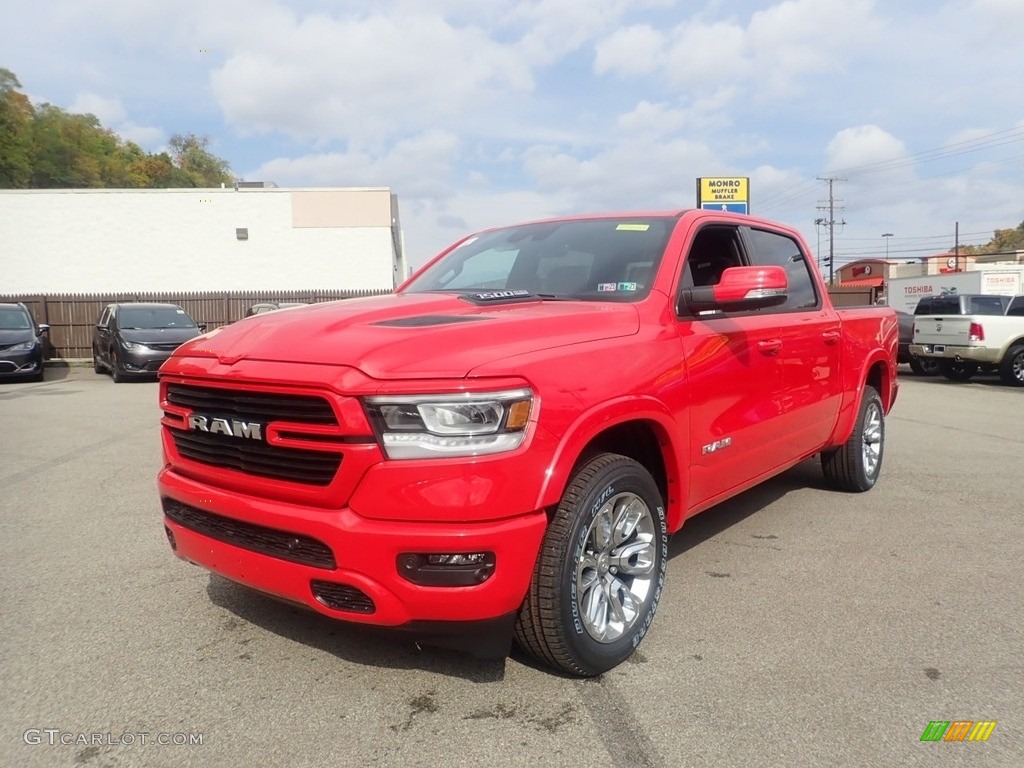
pixel 723 190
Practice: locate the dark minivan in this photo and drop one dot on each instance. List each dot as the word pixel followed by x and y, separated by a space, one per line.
pixel 133 340
pixel 21 343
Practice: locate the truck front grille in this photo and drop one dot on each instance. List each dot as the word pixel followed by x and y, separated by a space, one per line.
pixel 283 545
pixel 258 406
pixel 256 457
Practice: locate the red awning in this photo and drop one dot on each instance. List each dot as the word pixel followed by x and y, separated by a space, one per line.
pixel 865 282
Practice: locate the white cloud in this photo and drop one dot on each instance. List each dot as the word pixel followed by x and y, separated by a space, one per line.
pixel 107 110
pixel 322 78
pixel 414 167
pixel 635 50
pixel 866 145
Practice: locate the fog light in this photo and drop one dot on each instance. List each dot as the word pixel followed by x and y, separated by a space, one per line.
pixel 170 538
pixel 447 569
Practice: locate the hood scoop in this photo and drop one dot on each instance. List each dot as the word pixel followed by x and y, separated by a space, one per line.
pixel 423 321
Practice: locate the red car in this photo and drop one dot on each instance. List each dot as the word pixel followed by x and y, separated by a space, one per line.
pixel 507 442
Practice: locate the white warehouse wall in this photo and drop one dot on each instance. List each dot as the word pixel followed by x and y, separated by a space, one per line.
pixel 109 241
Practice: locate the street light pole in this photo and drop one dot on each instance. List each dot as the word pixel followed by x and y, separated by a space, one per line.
pixel 886 236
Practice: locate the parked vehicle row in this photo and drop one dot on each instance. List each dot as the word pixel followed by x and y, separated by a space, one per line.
pixel 21 343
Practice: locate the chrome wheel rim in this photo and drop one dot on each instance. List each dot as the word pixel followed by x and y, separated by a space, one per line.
pixel 615 573
pixel 872 443
pixel 1018 367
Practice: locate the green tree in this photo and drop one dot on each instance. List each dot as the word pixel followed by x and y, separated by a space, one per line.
pixel 16 116
pixel 191 155
pixel 46 147
pixel 1003 241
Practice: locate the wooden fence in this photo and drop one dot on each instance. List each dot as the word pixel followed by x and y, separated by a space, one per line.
pixel 72 317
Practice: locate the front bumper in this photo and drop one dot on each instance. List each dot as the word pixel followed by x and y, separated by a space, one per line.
pixel 143 363
pixel 956 352
pixel 27 363
pixel 356 557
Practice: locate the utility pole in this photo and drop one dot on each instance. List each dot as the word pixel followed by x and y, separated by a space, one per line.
pixel 831 222
pixel 956 247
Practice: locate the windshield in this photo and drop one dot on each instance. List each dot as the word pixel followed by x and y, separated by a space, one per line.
pixel 589 259
pixel 154 317
pixel 14 319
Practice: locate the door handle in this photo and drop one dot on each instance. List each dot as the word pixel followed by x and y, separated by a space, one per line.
pixel 769 346
pixel 831 337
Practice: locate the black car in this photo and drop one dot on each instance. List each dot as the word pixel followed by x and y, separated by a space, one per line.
pixel 132 340
pixel 21 343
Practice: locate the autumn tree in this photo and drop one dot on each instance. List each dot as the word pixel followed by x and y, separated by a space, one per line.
pixel 191 155
pixel 1003 241
pixel 46 147
pixel 16 116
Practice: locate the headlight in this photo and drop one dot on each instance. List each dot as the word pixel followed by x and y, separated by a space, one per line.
pixel 440 426
pixel 25 346
pixel 131 346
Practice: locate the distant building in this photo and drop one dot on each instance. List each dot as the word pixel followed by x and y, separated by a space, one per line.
pixel 875 273
pixel 254 236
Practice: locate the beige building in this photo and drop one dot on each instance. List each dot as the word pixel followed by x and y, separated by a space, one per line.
pixel 875 273
pixel 254 236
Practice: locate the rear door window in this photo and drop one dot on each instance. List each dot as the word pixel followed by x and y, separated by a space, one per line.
pixel 778 250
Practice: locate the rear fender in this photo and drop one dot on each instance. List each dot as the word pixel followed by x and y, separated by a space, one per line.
pixel 877 370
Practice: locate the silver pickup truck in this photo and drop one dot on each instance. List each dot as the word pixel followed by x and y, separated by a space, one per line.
pixel 990 337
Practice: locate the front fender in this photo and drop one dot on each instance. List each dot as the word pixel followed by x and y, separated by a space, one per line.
pixel 600 418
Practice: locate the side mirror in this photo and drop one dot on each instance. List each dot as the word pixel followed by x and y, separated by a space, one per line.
pixel 43 328
pixel 201 326
pixel 740 289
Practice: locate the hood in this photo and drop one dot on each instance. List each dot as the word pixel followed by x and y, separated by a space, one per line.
pixel 423 335
pixel 7 338
pixel 158 335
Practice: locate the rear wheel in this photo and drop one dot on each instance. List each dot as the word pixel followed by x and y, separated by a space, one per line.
pixel 1011 370
pixel 958 370
pixel 924 366
pixel 600 570
pixel 855 465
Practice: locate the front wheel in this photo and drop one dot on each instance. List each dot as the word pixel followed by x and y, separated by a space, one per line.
pixel 600 570
pixel 115 368
pixel 1011 369
pixel 958 370
pixel 855 465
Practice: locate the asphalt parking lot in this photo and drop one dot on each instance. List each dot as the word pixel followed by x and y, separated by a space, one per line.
pixel 799 627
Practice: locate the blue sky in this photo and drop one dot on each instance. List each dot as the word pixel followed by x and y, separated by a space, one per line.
pixel 478 114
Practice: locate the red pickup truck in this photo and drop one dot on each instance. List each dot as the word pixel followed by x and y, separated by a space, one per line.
pixel 507 442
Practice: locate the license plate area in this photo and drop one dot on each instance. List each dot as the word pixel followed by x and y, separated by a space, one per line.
pixel 939 348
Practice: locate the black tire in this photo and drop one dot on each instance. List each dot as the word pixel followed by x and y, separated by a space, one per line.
pixel 924 366
pixel 958 370
pixel 856 464
pixel 553 625
pixel 97 366
pixel 1011 369
pixel 115 368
